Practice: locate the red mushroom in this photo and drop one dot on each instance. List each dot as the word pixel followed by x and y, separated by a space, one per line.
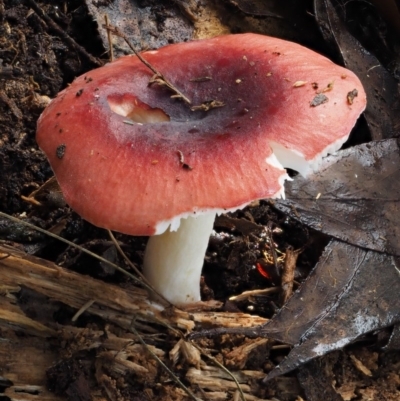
pixel 131 159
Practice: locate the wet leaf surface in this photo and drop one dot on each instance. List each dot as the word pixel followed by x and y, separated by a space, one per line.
pixel 355 196
pixel 394 340
pixel 353 289
pixel 364 298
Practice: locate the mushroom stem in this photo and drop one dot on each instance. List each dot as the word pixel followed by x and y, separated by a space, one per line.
pixel 173 261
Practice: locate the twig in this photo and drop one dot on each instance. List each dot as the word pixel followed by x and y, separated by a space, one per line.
pixel 11 104
pixel 272 245
pixel 288 271
pixel 251 332
pixel 253 293
pixel 158 77
pixel 83 309
pixel 71 42
pixel 109 38
pixel 119 249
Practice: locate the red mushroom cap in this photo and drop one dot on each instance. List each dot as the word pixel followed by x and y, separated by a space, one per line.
pixel 136 178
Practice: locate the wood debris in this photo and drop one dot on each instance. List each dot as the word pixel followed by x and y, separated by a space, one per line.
pixel 119 353
pixel 360 366
pixel 288 272
pixel 237 358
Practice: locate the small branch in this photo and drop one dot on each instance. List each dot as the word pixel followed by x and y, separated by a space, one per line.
pixel 158 77
pixel 251 332
pixel 109 38
pixel 288 271
pixel 83 309
pixel 272 245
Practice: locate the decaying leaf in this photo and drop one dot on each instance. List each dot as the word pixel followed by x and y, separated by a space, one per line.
pixel 351 291
pixel 383 108
pixel 358 194
pixel 48 195
pixel 145 26
pixel 366 301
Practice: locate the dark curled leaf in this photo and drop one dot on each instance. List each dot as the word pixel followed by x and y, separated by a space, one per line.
pixel 366 302
pixel 383 108
pixel 355 196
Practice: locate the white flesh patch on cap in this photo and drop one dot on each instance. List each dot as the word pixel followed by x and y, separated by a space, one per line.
pixel 137 111
pixel 274 162
pixel 293 159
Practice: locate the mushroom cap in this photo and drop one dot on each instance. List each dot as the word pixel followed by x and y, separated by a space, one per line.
pixel 138 178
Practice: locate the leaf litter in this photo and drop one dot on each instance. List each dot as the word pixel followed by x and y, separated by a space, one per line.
pixel 359 197
pixel 354 287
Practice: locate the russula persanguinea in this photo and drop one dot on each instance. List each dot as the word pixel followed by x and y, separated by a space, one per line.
pixel 130 158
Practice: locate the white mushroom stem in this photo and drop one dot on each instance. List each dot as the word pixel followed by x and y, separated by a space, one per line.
pixel 173 260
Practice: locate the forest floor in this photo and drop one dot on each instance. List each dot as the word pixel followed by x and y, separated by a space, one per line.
pixel 47 351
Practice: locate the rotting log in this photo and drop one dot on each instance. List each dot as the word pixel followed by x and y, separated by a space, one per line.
pixel 29 341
